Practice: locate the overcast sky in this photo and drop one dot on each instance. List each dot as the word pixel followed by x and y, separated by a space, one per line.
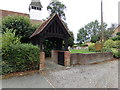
pixel 78 12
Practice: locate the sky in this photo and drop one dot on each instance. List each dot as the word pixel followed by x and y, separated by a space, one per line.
pixel 78 12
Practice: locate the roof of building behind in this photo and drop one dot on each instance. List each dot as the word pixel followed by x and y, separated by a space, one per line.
pixel 117 28
pixel 36 3
pixel 4 13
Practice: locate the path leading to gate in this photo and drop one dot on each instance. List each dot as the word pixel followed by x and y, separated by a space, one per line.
pixel 103 75
pixel 32 81
pixel 50 65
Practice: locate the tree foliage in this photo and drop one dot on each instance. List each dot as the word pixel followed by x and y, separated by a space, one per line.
pixel 92 32
pixel 71 39
pixel 21 24
pixel 57 7
pixel 82 35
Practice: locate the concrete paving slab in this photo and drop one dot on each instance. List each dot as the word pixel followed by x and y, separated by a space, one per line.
pixel 33 81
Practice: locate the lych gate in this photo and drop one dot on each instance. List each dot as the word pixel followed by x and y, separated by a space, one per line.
pixel 53 30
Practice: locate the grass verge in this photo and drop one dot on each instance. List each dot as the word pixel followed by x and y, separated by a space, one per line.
pixel 80 51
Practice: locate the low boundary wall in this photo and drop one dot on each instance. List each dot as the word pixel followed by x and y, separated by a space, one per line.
pixel 78 58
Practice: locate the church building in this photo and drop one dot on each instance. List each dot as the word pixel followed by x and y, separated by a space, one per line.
pixel 35 12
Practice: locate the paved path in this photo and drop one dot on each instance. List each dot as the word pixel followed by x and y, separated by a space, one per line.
pixel 104 75
pixel 50 65
pixel 34 81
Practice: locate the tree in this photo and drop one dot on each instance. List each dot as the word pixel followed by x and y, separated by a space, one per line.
pixel 57 7
pixel 94 39
pixel 71 39
pixel 91 32
pixel 21 24
pixel 93 28
pixel 82 35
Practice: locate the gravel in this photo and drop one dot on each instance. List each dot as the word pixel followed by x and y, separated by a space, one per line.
pixel 104 75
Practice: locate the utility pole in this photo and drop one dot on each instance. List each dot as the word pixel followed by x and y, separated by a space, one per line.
pixel 102 27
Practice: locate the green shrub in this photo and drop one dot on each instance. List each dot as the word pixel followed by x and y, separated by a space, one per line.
pixel 20 57
pixel 6 68
pixel 104 49
pixel 21 24
pixel 116 52
pixel 83 45
pixel 115 38
pixel 109 44
pixel 117 44
pixel 118 34
pixel 9 38
pixel 91 47
pixel 48 47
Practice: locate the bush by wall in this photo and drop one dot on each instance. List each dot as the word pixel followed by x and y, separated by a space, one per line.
pixel 109 44
pixel 9 38
pixel 83 45
pixel 20 57
pixel 116 52
pixel 115 38
pixel 117 44
pixel 114 46
pixel 91 47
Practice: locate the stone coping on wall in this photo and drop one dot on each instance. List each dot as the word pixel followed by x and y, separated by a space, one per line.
pixel 89 58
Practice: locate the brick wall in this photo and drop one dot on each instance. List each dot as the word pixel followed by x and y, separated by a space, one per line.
pixel 78 58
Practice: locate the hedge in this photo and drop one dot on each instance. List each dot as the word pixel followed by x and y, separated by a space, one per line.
pixel 20 57
pixel 91 48
pixel 109 43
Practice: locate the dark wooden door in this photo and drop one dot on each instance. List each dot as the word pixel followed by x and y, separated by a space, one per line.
pixel 61 58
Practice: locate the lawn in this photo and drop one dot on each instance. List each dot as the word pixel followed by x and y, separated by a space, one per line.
pixel 80 51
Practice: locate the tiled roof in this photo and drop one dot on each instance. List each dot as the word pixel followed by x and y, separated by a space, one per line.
pixel 36 3
pixel 4 13
pixel 8 13
pixel 42 26
pixel 116 30
pixel 36 21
